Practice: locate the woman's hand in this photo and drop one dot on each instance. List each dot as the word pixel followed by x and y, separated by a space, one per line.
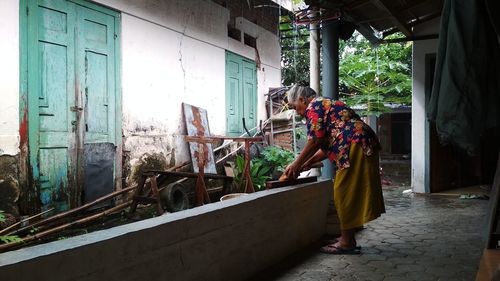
pixel 292 171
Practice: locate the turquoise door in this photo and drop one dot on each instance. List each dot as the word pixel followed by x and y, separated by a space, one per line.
pixel 241 94
pixel 72 97
pixel 249 93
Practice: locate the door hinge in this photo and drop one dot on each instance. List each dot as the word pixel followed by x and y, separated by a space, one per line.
pixel 27 11
pixel 116 35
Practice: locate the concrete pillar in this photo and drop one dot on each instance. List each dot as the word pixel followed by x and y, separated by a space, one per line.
pixel 330 47
pixel 314 48
pixel 372 122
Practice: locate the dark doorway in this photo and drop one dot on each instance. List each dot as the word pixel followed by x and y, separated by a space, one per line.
pixel 401 133
pixel 451 167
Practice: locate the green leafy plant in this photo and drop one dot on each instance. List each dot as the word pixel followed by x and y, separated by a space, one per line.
pixel 8 238
pixel 277 158
pixel 34 230
pixel 300 133
pixel 259 172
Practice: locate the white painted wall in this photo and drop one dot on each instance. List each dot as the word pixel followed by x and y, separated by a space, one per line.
pixel 9 73
pixel 172 52
pixel 419 125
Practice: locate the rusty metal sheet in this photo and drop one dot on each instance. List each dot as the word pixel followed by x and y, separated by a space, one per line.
pixel 99 171
pixel 197 125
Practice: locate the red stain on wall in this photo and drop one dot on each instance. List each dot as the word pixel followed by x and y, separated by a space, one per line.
pixel 23 131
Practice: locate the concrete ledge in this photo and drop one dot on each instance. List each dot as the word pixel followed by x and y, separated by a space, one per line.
pixel 230 240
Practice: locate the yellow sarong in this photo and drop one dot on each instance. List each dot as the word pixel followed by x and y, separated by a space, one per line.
pixel 357 190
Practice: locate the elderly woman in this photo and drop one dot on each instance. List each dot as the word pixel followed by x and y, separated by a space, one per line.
pixel 336 132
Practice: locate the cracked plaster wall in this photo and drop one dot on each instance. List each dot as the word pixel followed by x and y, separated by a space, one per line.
pixel 174 52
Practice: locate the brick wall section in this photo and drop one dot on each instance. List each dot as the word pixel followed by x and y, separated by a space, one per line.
pixel 258 12
pixel 284 140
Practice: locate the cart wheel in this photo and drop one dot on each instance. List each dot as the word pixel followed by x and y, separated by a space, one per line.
pixel 174 198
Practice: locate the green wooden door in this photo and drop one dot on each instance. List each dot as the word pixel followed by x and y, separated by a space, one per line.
pixel 241 94
pixel 71 86
pixel 96 53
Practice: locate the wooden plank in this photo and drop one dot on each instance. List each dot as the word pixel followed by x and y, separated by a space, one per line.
pixel 492 241
pixel 275 184
pixel 185 174
pixel 488 265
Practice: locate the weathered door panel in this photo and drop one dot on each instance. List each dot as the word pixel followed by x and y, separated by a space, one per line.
pixel 72 98
pixel 96 52
pixel 241 94
pixel 233 90
pixel 249 94
pixel 54 96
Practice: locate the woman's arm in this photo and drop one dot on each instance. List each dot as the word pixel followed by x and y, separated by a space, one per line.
pixel 310 149
pixel 319 156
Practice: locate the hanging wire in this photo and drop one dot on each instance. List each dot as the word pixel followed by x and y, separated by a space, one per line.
pixel 377 78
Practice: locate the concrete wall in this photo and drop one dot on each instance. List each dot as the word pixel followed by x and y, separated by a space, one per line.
pixel 230 240
pixel 419 125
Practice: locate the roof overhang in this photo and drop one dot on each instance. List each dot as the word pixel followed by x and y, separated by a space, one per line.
pixel 377 19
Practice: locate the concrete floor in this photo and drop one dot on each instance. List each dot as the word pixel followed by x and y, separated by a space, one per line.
pixel 419 238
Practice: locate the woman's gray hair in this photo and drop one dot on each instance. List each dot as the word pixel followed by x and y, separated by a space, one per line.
pixel 298 91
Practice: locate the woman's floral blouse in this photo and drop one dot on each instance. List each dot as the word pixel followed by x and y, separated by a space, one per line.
pixel 342 126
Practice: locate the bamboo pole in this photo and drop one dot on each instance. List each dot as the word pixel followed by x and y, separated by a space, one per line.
pixel 72 211
pixel 7 246
pixel 24 220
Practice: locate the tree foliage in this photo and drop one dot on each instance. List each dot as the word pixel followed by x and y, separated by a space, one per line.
pixel 370 77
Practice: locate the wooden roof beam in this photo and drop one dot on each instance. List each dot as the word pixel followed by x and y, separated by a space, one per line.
pixel 397 20
pixel 413 23
pixel 363 28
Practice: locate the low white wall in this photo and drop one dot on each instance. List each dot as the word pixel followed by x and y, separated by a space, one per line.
pixel 230 240
pixel 419 124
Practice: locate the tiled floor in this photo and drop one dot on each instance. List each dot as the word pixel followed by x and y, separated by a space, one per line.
pixel 419 238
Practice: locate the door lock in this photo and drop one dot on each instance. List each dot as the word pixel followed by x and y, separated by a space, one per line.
pixel 76 108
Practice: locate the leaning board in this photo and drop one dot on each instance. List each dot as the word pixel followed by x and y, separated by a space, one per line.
pixel 197 125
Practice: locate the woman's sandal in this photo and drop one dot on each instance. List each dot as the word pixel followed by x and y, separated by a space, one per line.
pixel 334 250
pixel 333 241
